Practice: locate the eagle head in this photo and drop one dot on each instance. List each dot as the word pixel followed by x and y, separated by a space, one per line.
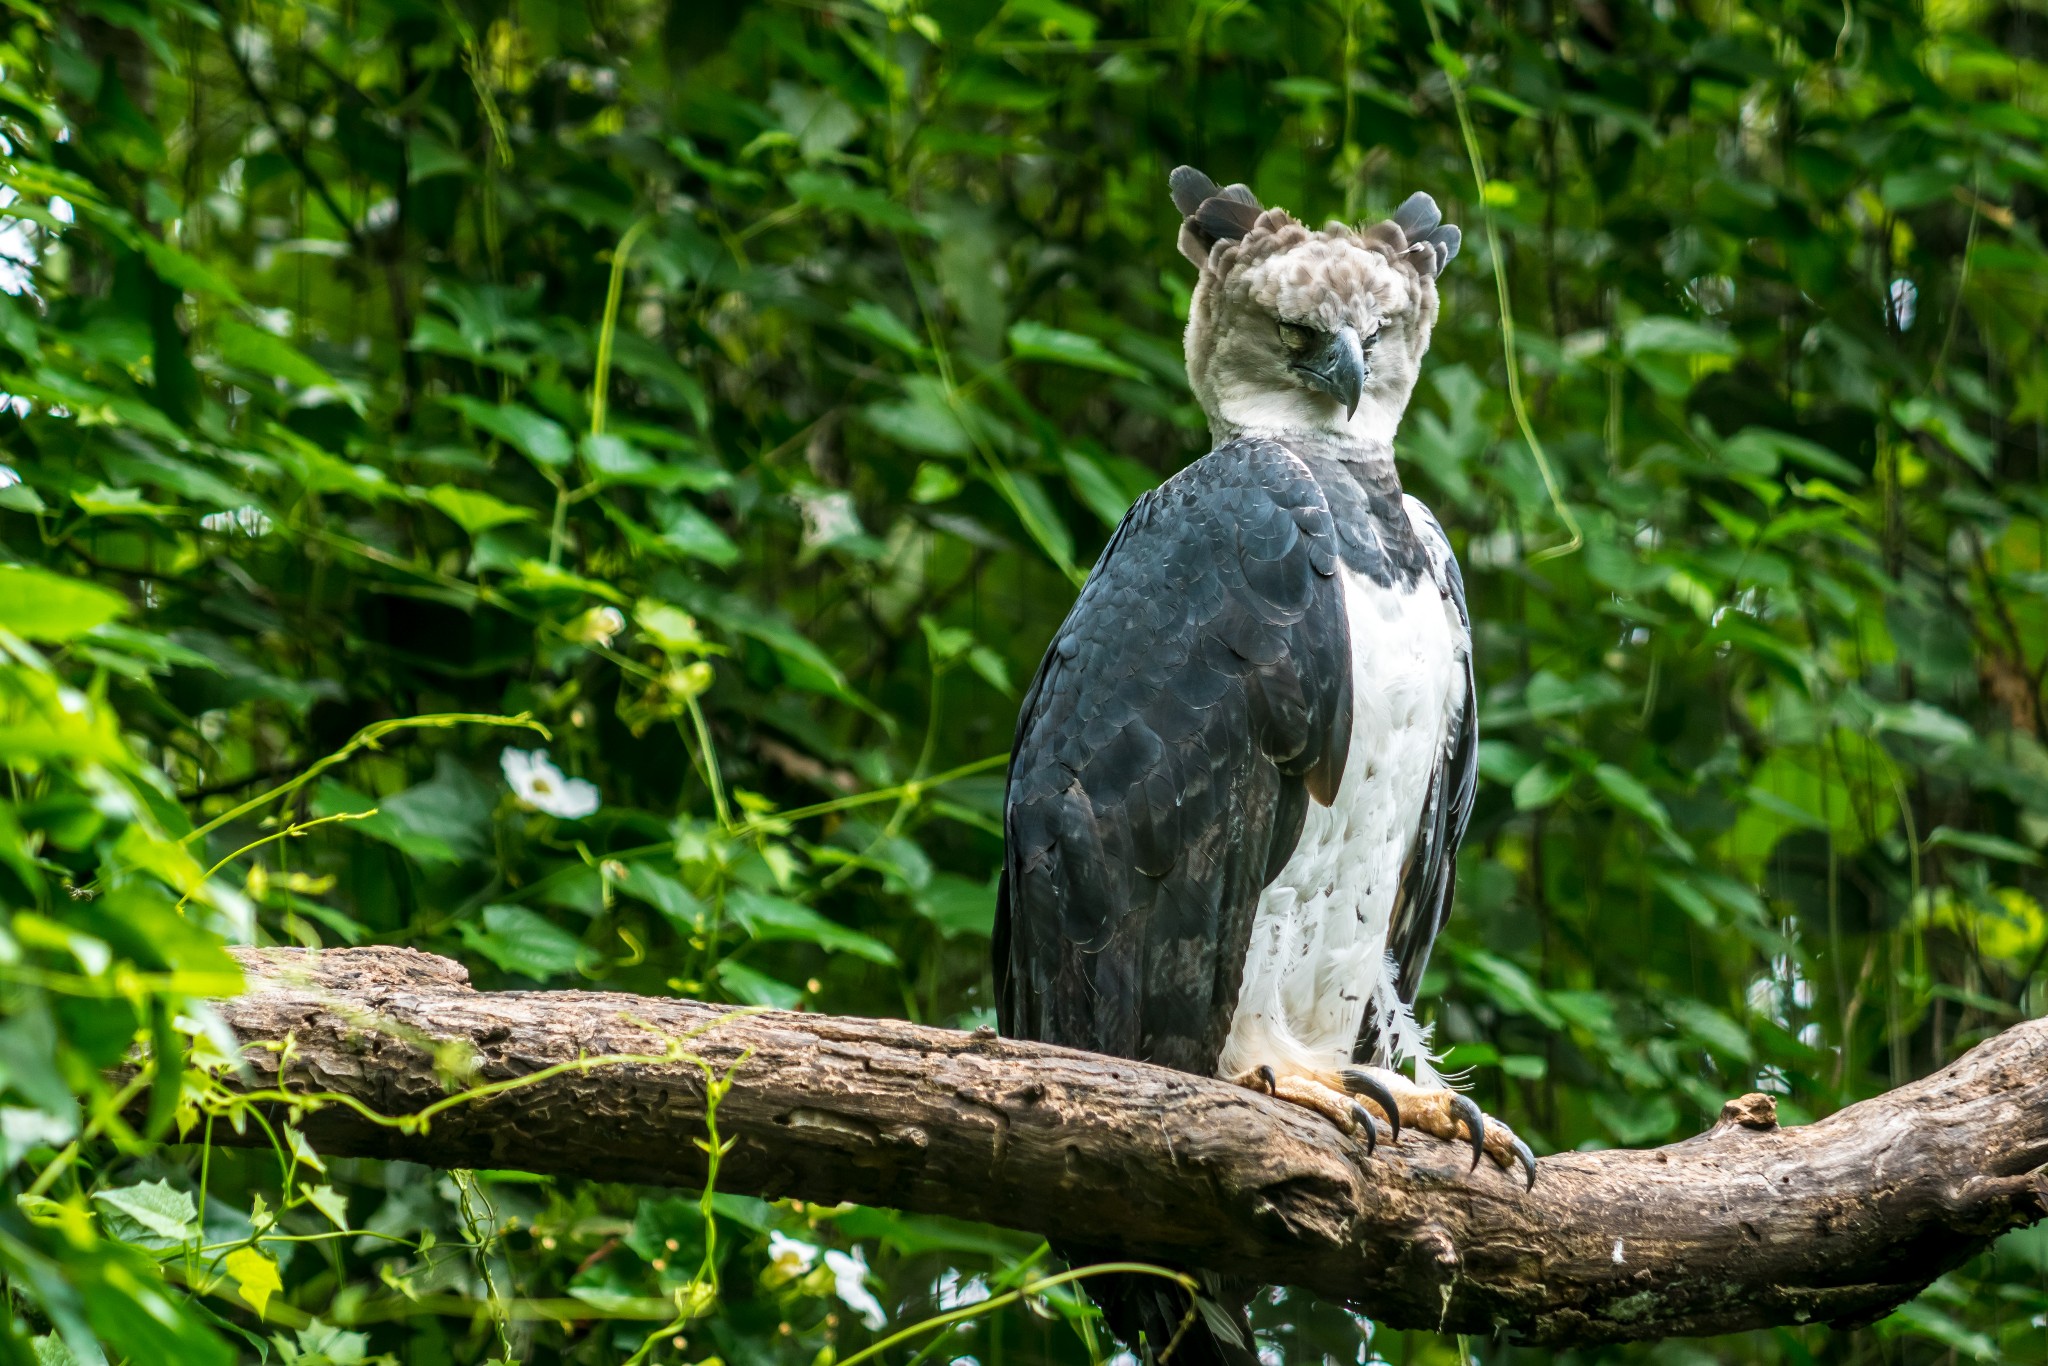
pixel 1295 331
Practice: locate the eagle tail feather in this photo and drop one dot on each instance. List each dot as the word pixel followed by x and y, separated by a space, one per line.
pixel 1155 1318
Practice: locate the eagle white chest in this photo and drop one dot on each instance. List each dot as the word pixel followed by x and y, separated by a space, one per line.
pixel 1318 952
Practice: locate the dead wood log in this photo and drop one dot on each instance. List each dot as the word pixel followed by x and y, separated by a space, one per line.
pixel 1744 1226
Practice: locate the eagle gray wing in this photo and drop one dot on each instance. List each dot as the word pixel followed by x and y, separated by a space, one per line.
pixel 1430 876
pixel 1195 699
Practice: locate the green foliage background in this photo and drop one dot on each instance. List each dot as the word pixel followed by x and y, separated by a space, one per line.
pixel 735 390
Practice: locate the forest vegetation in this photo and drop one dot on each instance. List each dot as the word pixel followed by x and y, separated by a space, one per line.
pixel 579 488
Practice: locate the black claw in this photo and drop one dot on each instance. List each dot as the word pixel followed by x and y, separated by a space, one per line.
pixel 1468 1110
pixel 1360 1082
pixel 1272 1082
pixel 1527 1158
pixel 1362 1117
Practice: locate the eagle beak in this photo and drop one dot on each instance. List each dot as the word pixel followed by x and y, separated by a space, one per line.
pixel 1337 367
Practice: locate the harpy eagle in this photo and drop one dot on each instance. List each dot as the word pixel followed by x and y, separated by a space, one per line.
pixel 1243 769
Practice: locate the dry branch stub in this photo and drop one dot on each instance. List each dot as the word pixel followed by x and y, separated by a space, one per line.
pixel 1746 1225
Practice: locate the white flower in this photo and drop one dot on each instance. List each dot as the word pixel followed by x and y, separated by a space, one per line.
pixel 957 1292
pixel 1905 303
pixel 248 521
pixel 540 785
pixel 597 626
pixel 829 516
pixel 850 1283
pixel 789 1257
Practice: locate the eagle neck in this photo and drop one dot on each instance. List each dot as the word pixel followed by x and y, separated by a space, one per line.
pixel 1367 459
pixel 1376 537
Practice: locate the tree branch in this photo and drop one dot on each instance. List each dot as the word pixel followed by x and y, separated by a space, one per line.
pixel 1745 1226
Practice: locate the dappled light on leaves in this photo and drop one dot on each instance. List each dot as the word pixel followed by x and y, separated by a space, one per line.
pixel 583 489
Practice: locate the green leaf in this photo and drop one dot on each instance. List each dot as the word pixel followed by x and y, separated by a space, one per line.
pixel 1939 420
pixel 140 1318
pixel 255 1276
pixel 43 606
pixel 187 272
pixel 1540 785
pixel 671 628
pixel 1712 1028
pixel 885 327
pixel 158 654
pixel 1799 451
pixel 1635 1120
pixel 1508 986
pixel 992 669
pixel 542 439
pixel 522 941
pixel 18 329
pixel 769 917
pixel 252 348
pixel 1922 721
pixel 935 483
pixel 677 904
pixel 1818 789
pixel 2028 1246
pixel 752 988
pixel 803 664
pixel 1041 519
pixel 1093 486
pixel 958 905
pixel 473 510
pixel 1625 790
pixel 695 534
pixel 443 820
pixel 102 500
pixel 944 643
pixel 303 1150
pixel 923 420
pixel 1549 696
pixel 1914 186
pixel 19 497
pixel 427 156
pixel 1990 846
pixel 330 1202
pixel 614 459
pixel 1688 899
pixel 1675 336
pixel 153 1213
pixel 50 1350
pixel 541 577
pixel 836 194
pixel 1037 341
pixel 914 1234
pixel 322 1345
pixel 1921 1319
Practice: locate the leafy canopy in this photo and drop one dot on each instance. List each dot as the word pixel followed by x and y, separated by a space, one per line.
pixel 579 488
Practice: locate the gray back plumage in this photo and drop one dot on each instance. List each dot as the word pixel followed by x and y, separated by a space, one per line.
pixel 1195 700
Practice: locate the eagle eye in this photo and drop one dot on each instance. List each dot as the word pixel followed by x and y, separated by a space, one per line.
pixel 1295 337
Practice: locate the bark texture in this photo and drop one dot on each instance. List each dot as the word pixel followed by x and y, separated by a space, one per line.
pixel 1744 1226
